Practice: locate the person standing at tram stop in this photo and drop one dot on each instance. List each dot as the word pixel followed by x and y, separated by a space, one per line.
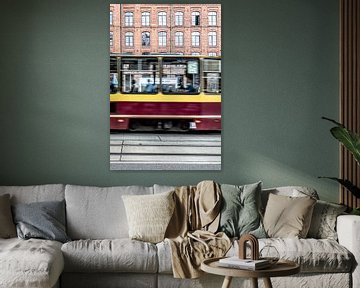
pixel 134 86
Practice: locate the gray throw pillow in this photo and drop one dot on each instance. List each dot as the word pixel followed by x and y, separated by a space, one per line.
pixel 7 226
pixel 44 220
pixel 240 213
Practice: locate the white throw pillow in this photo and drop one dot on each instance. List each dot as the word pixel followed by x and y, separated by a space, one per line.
pixel 149 215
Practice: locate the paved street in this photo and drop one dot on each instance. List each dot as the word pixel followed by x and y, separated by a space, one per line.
pixel 153 151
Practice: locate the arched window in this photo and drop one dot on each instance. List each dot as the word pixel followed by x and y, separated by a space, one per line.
pixel 195 39
pixel 179 18
pixel 129 39
pixel 162 18
pixel 145 19
pixel 145 39
pixel 111 38
pixel 179 39
pixel 212 39
pixel 129 19
pixel 212 18
pixel 195 18
pixel 162 39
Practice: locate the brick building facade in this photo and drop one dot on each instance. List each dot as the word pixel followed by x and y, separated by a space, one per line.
pixel 189 29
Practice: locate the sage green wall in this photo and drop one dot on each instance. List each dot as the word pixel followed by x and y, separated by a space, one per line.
pixel 280 75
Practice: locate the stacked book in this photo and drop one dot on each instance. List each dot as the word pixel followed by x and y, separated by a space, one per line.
pixel 248 264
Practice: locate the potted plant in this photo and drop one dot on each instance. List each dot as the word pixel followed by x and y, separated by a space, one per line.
pixel 351 141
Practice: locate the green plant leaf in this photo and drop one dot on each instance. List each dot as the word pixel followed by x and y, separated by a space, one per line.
pixel 349 139
pixel 347 184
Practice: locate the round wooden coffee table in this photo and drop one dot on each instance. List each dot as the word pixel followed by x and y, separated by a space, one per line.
pixel 281 268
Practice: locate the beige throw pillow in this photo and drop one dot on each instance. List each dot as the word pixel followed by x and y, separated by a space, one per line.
pixel 149 215
pixel 7 226
pixel 288 217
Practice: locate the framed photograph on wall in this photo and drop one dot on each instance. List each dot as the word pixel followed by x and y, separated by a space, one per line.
pixel 165 86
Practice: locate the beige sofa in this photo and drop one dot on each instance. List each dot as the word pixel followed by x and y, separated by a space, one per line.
pixel 102 255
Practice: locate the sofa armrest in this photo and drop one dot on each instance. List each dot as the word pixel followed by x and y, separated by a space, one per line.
pixel 348 230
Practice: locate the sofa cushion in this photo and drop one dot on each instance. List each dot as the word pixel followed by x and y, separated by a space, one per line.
pixel 44 220
pixel 291 191
pixel 240 210
pixel 323 222
pixel 7 226
pixel 149 215
pixel 98 213
pixel 116 255
pixel 30 263
pixel 287 216
pixel 36 193
pixel 313 255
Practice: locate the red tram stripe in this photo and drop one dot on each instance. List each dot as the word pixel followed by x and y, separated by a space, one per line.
pixel 166 108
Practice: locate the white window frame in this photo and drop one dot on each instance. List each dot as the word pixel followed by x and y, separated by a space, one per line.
pixel 162 18
pixel 129 18
pixel 111 17
pixel 162 38
pixel 179 39
pixel 195 39
pixel 179 18
pixel 212 38
pixel 129 39
pixel 111 39
pixel 212 18
pixel 195 18
pixel 145 18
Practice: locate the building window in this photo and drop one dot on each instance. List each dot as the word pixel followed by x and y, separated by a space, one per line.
pixel 195 39
pixel 162 39
pixel 179 39
pixel 212 39
pixel 162 18
pixel 111 17
pixel 129 19
pixel 212 54
pixel 212 18
pixel 145 39
pixel 195 53
pixel 111 39
pixel 179 18
pixel 145 19
pixel 129 39
pixel 195 18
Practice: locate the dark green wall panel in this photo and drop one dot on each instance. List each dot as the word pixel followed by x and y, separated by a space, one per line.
pixel 280 75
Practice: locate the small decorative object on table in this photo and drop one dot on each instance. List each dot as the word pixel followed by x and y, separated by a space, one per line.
pixel 241 261
pixel 254 245
pixel 280 268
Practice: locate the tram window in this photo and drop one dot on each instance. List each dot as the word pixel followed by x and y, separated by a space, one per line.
pixel 139 75
pixel 114 84
pixel 180 76
pixel 212 75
